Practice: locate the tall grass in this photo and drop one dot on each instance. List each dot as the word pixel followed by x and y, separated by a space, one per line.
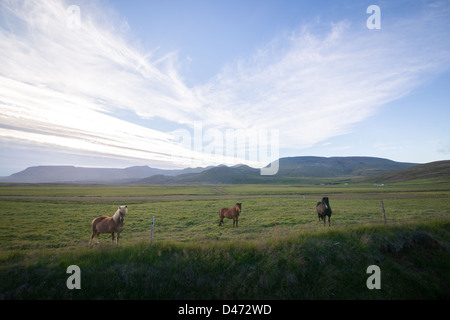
pixel 325 264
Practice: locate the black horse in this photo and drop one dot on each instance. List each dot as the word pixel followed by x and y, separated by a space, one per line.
pixel 323 209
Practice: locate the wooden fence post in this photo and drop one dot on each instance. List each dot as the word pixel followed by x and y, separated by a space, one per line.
pixel 153 223
pixel 384 213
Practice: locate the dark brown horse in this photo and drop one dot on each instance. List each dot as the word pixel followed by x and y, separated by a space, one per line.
pixel 323 210
pixel 232 213
pixel 105 224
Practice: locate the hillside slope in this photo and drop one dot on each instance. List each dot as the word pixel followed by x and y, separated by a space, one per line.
pixel 337 166
pixel 432 170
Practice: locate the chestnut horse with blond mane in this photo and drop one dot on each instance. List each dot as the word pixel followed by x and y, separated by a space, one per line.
pixel 232 213
pixel 105 224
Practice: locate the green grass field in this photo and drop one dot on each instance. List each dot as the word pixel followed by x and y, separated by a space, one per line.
pixel 279 251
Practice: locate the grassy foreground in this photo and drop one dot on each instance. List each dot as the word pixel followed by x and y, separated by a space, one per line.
pixel 279 250
pixel 330 264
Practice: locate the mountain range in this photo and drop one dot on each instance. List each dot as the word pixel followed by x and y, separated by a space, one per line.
pixel 83 175
pixel 291 170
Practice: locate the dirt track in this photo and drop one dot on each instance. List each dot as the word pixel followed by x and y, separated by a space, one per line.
pixel 137 199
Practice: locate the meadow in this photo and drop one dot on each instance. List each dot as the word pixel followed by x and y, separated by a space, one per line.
pixel 279 251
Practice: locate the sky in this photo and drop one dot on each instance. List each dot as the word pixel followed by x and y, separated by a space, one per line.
pixel 180 83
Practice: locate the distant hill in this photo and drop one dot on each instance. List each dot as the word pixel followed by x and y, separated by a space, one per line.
pixel 72 174
pixel 291 170
pixel 215 175
pixel 432 170
pixel 337 166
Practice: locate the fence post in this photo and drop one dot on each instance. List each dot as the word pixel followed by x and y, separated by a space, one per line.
pixel 384 213
pixel 153 223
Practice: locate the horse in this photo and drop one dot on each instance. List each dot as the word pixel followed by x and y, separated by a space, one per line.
pixel 232 213
pixel 323 209
pixel 105 224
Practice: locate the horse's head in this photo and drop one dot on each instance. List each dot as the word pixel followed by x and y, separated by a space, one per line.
pixel 122 212
pixel 239 205
pixel 325 202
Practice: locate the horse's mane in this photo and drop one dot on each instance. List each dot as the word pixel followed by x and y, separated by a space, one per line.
pixel 116 215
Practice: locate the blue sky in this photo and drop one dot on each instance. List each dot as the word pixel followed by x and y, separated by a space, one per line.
pixel 165 83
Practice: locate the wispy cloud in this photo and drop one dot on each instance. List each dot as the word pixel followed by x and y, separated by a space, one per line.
pixel 61 86
pixel 314 87
pixel 94 61
pixel 64 86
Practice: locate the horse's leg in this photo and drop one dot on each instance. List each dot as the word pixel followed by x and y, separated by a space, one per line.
pixel 112 237
pixel 96 237
pixel 329 218
pixel 237 222
pixel 118 234
pixel 92 236
pixel 94 232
